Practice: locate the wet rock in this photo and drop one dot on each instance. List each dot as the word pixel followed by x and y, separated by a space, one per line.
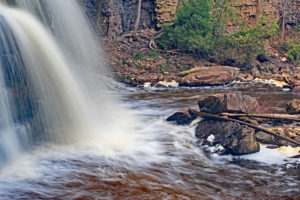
pixel 216 75
pixel 182 117
pixel 265 138
pixel 263 58
pixel 293 107
pixel 235 139
pixel 228 102
pixel 296 89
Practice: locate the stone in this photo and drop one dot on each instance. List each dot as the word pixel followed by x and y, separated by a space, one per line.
pixel 210 76
pixel 235 139
pixel 228 102
pixel 182 117
pixel 263 58
pixel 293 107
pixel 265 138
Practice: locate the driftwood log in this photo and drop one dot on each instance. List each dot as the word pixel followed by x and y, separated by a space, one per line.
pixel 295 118
pixel 257 127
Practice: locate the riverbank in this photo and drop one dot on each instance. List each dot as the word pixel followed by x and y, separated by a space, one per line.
pixel 137 60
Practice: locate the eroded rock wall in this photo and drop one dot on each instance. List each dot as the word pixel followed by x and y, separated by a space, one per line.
pixel 118 16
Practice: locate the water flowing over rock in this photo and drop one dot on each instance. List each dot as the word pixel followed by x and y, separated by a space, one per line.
pixel 235 139
pixel 209 76
pixel 228 102
pixel 49 81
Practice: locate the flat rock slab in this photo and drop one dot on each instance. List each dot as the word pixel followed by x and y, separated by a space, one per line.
pixel 210 76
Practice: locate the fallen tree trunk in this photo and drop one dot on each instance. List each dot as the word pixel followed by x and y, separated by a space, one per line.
pixel 184 73
pixel 211 116
pixel 267 116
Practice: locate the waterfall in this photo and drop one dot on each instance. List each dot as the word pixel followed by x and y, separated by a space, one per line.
pixel 62 96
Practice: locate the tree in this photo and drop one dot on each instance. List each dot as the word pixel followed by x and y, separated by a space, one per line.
pixel 283 5
pixel 138 16
pixel 98 14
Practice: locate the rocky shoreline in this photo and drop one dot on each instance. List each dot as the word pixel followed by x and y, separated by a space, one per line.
pixel 134 61
pixel 235 124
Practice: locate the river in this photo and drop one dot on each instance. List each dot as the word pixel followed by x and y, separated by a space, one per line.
pixel 165 161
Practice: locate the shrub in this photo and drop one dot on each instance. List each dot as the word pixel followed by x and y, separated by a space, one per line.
pixel 294 54
pixel 297 28
pixel 192 31
pixel 200 29
pixel 153 53
pixel 138 56
pixel 243 45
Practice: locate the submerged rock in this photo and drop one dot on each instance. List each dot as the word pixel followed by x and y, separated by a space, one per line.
pixel 182 117
pixel 228 102
pixel 235 139
pixel 265 138
pixel 215 75
pixel 293 107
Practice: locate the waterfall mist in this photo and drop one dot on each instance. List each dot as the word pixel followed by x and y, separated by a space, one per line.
pixel 63 77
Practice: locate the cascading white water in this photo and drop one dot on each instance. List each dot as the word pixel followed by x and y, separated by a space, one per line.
pixel 66 77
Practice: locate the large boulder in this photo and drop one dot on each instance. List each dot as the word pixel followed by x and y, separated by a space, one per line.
pixel 234 138
pixel 228 102
pixel 210 76
pixel 293 107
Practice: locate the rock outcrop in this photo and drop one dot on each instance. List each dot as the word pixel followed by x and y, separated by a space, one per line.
pixel 233 102
pixel 215 75
pixel 118 16
pixel 234 138
pixel 182 117
pixel 294 107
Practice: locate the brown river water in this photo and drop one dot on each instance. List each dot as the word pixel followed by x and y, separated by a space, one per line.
pixel 168 164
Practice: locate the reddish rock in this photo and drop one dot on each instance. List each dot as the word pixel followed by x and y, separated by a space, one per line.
pixel 293 107
pixel 216 75
pixel 229 102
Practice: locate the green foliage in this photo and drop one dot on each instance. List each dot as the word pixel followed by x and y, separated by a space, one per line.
pixel 185 68
pixel 192 30
pixel 153 53
pixel 297 28
pixel 200 29
pixel 138 56
pixel 294 54
pixel 244 44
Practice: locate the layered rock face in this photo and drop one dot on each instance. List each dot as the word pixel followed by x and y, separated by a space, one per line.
pixel 252 10
pixel 118 16
pixel 166 11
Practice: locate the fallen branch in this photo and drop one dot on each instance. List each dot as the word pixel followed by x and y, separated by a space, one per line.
pixel 187 72
pixel 211 116
pixel 267 116
pixel 295 156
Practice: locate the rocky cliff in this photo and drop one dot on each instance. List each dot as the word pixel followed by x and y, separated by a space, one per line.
pixel 118 16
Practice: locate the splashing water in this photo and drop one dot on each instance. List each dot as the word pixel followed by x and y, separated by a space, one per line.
pixel 82 143
pixel 65 79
